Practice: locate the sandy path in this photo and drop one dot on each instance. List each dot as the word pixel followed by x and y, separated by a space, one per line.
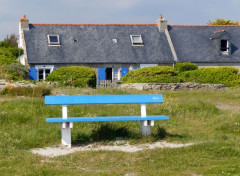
pixel 59 151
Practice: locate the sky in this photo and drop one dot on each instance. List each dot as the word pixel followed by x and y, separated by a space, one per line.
pixel 114 11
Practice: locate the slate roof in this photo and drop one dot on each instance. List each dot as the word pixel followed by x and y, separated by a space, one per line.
pixel 95 44
pixel 218 34
pixel 193 44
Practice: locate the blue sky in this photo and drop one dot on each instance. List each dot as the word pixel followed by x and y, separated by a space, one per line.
pixel 114 11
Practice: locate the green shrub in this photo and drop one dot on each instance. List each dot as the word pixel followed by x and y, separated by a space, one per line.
pixel 78 76
pixel 216 75
pixel 14 71
pixel 185 66
pixel 158 74
pixel 9 53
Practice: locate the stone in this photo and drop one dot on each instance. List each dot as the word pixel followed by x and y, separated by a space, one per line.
pixel 172 86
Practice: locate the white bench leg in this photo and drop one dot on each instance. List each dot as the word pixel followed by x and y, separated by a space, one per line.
pixel 66 135
pixel 66 128
pixel 145 127
pixel 145 130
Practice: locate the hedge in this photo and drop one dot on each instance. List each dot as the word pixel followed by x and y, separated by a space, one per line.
pixel 78 76
pixel 158 74
pixel 215 75
pixel 164 74
pixel 185 66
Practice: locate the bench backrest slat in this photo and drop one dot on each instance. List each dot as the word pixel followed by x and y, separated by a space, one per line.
pixel 102 99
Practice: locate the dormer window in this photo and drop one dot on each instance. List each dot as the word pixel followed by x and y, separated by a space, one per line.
pixel 53 40
pixel 221 41
pixel 224 46
pixel 136 39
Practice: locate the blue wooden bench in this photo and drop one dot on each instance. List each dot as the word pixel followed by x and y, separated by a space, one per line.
pixel 67 122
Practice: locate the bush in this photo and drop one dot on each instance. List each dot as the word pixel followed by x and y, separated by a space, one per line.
pixel 78 76
pixel 158 74
pixel 9 53
pixel 216 75
pixel 185 66
pixel 14 71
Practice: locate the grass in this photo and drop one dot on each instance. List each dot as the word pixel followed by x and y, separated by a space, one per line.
pixel 195 116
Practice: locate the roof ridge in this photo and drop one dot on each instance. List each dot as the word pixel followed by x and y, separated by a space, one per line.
pixel 62 24
pixel 184 25
pixel 118 24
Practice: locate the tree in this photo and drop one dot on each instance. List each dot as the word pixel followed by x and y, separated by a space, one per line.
pixel 9 53
pixel 220 21
pixel 12 40
pixel 10 67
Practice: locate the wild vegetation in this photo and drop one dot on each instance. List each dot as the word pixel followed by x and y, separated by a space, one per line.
pixel 210 119
pixel 36 91
pixel 184 72
pixel 220 21
pixel 10 67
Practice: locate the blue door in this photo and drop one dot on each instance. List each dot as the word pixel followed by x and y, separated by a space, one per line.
pixel 124 71
pixel 33 74
pixel 101 75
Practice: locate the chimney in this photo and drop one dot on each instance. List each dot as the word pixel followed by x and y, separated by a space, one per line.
pixel 161 23
pixel 24 23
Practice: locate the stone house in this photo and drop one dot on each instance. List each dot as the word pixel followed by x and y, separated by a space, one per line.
pixel 115 49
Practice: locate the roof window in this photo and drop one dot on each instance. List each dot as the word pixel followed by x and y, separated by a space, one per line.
pixel 222 42
pixel 224 46
pixel 136 39
pixel 53 40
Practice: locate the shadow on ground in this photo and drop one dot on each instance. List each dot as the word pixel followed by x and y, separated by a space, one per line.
pixel 109 132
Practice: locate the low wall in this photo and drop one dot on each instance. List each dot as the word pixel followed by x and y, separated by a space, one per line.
pixel 4 83
pixel 172 86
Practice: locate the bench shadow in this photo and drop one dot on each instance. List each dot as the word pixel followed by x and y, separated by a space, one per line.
pixel 109 132
pixel 162 134
pixel 104 132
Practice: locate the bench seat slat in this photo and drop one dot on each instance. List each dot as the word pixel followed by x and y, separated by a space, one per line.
pixel 103 99
pixel 106 119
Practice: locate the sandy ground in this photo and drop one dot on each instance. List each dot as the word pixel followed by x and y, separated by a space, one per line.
pixel 228 107
pixel 60 151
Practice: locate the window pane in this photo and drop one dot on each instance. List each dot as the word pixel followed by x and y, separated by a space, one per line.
pixel 223 45
pixel 115 74
pixel 47 72
pixel 40 77
pixel 53 39
pixel 40 74
pixel 137 39
pixel 40 71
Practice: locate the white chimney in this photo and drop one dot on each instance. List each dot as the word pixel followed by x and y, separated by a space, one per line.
pixel 161 23
pixel 23 25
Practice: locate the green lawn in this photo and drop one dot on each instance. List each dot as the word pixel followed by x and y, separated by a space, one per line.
pixel 211 119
